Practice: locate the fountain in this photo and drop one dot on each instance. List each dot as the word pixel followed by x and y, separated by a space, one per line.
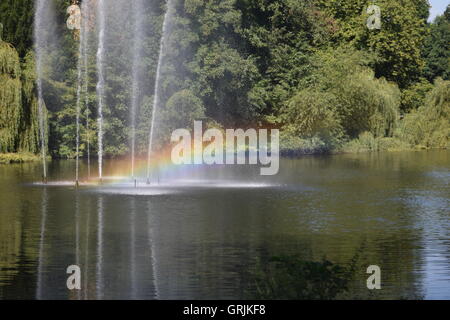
pixel 121 57
pixel 182 180
pixel 135 97
pixel 167 17
pixel 41 42
pixel 101 81
pixel 78 21
pixel 81 50
pixel 85 34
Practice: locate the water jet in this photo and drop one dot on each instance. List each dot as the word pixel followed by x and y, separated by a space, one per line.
pixel 101 81
pixel 156 96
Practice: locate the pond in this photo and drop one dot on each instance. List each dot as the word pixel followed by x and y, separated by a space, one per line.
pixel 206 232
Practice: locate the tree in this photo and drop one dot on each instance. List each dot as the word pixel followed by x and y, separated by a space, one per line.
pixel 181 110
pixel 344 99
pixel 281 37
pixel 429 125
pixel 19 129
pixel 29 140
pixel 223 72
pixel 398 43
pixel 437 48
pixel 10 97
pixel 17 19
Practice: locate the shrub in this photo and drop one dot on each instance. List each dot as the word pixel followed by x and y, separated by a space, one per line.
pixel 430 124
pixel 6 158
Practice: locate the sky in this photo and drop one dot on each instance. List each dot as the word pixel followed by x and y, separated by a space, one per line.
pixel 438 7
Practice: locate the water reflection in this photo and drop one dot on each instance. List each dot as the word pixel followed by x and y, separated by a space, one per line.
pixel 86 251
pixel 208 242
pixel 41 244
pixel 77 236
pixel 152 259
pixel 99 268
pixel 133 247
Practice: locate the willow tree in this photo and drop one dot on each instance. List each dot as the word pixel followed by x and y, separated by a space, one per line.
pixel 429 126
pixel 10 96
pixel 19 125
pixel 344 99
pixel 29 127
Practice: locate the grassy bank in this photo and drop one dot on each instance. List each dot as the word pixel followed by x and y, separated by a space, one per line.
pixel 366 142
pixel 6 158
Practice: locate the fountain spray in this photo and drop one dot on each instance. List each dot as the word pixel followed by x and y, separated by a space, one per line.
pixel 85 7
pixel 137 16
pixel 40 43
pixel 101 82
pixel 157 84
pixel 80 80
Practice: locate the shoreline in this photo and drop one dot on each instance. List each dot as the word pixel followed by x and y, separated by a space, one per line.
pixel 17 158
pixel 14 158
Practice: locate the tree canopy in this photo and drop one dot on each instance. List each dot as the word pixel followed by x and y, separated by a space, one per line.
pixel 312 68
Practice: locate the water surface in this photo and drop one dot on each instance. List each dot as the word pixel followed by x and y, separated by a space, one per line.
pixel 204 236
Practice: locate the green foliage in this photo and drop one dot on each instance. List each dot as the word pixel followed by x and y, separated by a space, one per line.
pixel 437 48
pixel 17 19
pixel 292 145
pixel 414 96
pixel 19 129
pixel 222 71
pixel 398 43
pixel 9 60
pixel 429 126
pixel 311 68
pixel 6 158
pixel 366 142
pixel 223 78
pixel 182 109
pixel 343 99
pixel 10 97
pixel 29 130
pixel 281 35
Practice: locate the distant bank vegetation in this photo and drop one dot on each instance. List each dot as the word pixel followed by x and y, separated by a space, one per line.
pixel 7 158
pixel 310 68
